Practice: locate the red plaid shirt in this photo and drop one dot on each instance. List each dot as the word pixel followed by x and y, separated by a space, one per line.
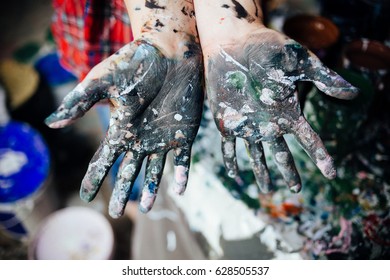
pixel 88 31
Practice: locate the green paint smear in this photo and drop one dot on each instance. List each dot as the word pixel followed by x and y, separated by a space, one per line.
pixel 237 80
pixel 256 89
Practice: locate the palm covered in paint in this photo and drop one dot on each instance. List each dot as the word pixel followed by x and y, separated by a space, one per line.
pixel 252 91
pixel 156 106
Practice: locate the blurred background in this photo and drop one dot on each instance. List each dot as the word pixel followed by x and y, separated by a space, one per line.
pixel 42 217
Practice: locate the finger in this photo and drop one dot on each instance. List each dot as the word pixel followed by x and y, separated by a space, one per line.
pixel 94 87
pixel 228 146
pixel 154 170
pixel 259 166
pixel 325 79
pixel 127 174
pixel 314 147
pixel 285 163
pixel 182 161
pixel 74 105
pixel 97 170
pixel 128 77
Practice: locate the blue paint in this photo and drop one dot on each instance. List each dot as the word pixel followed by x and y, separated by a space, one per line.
pixel 16 137
pixel 152 187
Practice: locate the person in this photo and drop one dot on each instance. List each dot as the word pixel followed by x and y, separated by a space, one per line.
pixel 154 87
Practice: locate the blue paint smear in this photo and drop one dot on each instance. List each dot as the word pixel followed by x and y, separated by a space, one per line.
pixel 152 187
pixel 22 138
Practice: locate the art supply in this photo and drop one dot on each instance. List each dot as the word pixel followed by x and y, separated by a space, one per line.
pixel 73 233
pixel 24 177
pixel 369 58
pixel 315 32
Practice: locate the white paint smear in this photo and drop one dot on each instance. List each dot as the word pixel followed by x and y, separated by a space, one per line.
pixel 11 162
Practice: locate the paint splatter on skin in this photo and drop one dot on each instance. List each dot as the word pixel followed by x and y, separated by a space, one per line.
pixel 156 105
pixel 152 4
pixel 241 12
pixel 260 74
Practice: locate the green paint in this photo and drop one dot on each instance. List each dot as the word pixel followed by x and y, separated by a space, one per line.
pixel 256 88
pixel 237 79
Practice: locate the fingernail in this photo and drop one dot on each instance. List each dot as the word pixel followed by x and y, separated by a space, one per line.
pixel 115 209
pixel 181 178
pixel 296 188
pixel 327 168
pixel 54 121
pixel 86 191
pixel 148 197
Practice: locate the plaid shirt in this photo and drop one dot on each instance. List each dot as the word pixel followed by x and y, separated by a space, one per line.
pixel 88 31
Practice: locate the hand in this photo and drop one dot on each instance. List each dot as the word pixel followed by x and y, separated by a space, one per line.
pixel 156 105
pixel 251 87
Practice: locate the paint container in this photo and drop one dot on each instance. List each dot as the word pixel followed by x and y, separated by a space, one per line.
pixel 369 58
pixel 25 194
pixel 317 33
pixel 73 233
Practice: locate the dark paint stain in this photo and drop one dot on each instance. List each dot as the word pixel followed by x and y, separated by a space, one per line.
pixel 152 4
pixel 225 6
pixel 159 23
pixel 184 11
pixel 175 31
pixel 241 12
pixel 152 187
pixel 187 12
pixel 137 8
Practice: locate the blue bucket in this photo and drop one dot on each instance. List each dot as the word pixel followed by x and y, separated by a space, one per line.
pixel 24 176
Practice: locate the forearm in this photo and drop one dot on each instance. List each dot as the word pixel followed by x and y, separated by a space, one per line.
pixel 169 24
pixel 224 22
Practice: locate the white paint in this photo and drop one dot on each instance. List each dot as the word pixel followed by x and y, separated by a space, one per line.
pixel 324 165
pixel 129 88
pixel 229 58
pixel 223 105
pixel 128 171
pixel 283 121
pixel 232 118
pixel 123 65
pixel 211 210
pixel 212 216
pixel 155 111
pixel 128 134
pixel 268 129
pixel 266 96
pixel 171 241
pixel 320 153
pixel 247 109
pixel 179 134
pixel 315 62
pixel 178 117
pixel 228 148
pixel 11 162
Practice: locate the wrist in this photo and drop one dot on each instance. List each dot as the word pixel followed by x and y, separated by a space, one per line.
pixel 167 24
pixel 223 22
